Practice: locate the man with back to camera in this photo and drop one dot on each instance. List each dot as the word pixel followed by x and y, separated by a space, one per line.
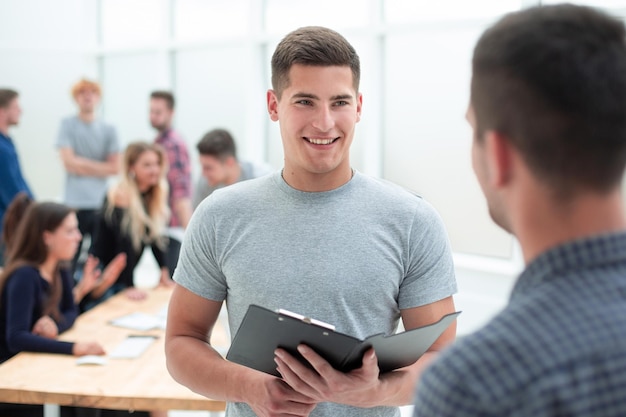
pixel 90 150
pixel 317 238
pixel 11 179
pixel 548 95
pixel 162 105
pixel 220 166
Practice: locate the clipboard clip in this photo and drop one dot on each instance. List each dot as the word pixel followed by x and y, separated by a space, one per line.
pixel 305 319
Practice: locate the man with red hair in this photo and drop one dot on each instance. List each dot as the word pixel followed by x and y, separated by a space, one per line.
pixel 89 149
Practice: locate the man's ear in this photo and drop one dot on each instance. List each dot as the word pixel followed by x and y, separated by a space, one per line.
pixel 499 158
pixel 272 105
pixel 230 161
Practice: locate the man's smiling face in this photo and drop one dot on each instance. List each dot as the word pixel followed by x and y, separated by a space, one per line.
pixel 318 113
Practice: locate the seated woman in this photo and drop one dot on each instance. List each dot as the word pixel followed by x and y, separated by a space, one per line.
pixel 36 287
pixel 133 216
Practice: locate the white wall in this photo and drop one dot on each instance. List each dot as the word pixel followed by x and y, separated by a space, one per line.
pixel 44 46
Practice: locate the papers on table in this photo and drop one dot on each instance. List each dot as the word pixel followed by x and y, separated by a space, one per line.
pixel 132 347
pixel 141 321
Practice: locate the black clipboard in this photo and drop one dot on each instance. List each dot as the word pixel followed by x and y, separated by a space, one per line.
pixel 263 330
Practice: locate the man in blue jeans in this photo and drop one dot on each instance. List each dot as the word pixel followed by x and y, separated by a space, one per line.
pixel 11 179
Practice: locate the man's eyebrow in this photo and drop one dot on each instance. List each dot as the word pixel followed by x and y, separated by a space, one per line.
pixel 333 98
pixel 305 95
pixel 342 97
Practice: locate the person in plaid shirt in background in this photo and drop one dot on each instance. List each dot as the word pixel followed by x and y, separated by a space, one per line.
pixel 179 175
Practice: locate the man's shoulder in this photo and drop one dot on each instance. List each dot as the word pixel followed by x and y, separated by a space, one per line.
pixel 5 141
pixel 70 120
pixel 388 187
pixel 393 196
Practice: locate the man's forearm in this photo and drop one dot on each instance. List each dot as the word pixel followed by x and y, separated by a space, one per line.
pixel 88 167
pixel 219 380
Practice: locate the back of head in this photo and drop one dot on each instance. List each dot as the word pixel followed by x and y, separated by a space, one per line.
pixel 218 143
pixel 315 46
pixel 553 80
pixel 85 84
pixel 6 96
pixel 164 95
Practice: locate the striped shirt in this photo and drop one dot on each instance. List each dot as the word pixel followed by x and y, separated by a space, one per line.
pixel 179 173
pixel 557 349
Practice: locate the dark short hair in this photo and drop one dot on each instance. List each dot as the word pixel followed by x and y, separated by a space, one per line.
pixel 165 95
pixel 315 46
pixel 218 143
pixel 552 79
pixel 6 96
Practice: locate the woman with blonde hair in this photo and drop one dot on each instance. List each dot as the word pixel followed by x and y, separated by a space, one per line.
pixel 134 215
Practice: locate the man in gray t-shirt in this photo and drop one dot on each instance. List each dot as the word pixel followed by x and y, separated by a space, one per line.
pixel 318 239
pixel 220 165
pixel 89 150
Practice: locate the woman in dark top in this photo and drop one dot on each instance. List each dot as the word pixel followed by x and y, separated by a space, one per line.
pixel 133 216
pixel 36 291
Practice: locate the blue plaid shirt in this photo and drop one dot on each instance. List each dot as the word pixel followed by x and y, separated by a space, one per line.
pixel 557 349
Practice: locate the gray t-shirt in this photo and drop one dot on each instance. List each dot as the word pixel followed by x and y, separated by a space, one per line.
pixel 353 257
pixel 249 170
pixel 97 141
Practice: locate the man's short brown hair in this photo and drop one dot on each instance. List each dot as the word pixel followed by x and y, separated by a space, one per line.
pixel 314 46
pixel 218 143
pixel 164 95
pixel 553 80
pixel 6 96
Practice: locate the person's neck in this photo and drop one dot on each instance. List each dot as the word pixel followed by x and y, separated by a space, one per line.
pixel 311 182
pixel 4 127
pixel 87 116
pixel 48 268
pixel 234 174
pixel 547 224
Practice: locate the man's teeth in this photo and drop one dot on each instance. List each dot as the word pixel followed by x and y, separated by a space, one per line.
pixel 320 141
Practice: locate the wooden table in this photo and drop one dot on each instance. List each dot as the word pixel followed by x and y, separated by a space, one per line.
pixel 141 383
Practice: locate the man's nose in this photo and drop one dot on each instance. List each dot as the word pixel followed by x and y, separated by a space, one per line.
pixel 324 120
